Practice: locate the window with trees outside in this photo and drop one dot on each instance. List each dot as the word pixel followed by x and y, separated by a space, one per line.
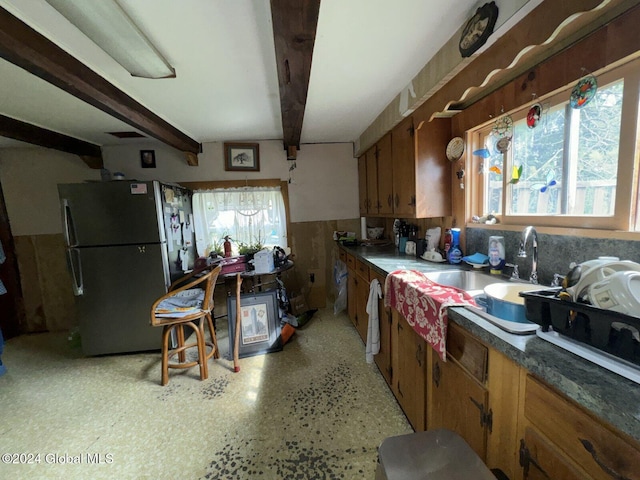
pixel 253 218
pixel 574 168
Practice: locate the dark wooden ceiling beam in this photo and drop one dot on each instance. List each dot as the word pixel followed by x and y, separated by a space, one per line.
pixel 25 132
pixel 294 34
pixel 26 48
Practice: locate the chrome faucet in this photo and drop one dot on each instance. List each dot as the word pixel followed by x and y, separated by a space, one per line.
pixel 522 252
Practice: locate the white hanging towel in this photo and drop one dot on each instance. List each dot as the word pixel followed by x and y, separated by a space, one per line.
pixel 373 328
pixel 3 290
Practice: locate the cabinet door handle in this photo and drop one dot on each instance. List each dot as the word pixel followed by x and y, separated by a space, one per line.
pixel 436 373
pixel 400 391
pixel 486 417
pixel 588 446
pixel 397 200
pixel 419 355
pixel 526 460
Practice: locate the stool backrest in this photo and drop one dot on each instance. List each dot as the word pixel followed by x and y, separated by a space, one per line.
pixel 196 279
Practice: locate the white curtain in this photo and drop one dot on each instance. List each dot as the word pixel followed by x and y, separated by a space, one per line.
pixel 248 215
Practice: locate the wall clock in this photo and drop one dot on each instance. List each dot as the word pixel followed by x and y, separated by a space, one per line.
pixel 478 29
pixel 455 149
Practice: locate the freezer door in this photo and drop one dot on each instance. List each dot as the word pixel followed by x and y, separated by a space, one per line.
pixel 119 286
pixel 111 213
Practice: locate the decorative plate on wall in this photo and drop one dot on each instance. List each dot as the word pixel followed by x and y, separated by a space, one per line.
pixel 583 92
pixel 478 29
pixel 455 149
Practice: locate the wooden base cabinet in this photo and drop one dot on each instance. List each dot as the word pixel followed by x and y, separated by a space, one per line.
pixel 564 441
pixel 541 460
pixel 383 358
pixel 460 403
pixel 476 394
pixel 352 289
pixel 362 293
pixel 512 420
pixel 409 366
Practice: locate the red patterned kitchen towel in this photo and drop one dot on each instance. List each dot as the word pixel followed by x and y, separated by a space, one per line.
pixel 424 304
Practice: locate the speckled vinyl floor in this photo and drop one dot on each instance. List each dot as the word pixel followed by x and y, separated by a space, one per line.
pixel 315 410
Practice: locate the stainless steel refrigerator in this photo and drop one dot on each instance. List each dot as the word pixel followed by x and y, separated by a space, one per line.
pixel 125 243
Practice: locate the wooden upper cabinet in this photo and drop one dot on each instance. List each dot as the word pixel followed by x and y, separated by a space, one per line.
pixel 385 175
pixel 362 185
pixel 373 203
pixel 433 169
pixel 406 173
pixel 404 169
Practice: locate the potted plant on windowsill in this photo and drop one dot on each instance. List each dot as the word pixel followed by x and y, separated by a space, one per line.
pixel 215 251
pixel 249 250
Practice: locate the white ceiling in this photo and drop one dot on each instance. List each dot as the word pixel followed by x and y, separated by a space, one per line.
pixel 226 87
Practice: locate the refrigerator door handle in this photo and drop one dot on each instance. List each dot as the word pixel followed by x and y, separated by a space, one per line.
pixel 67 224
pixel 75 267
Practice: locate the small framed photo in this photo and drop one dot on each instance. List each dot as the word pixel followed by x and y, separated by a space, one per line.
pixel 259 324
pixel 241 157
pixel 148 158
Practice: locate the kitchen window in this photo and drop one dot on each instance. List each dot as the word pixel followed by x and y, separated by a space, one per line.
pixel 249 215
pixel 573 168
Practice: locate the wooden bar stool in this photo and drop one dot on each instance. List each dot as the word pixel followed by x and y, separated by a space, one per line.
pixel 189 302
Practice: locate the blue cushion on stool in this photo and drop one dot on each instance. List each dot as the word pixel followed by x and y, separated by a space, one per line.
pixel 181 304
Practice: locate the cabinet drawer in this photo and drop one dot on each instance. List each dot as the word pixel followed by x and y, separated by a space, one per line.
pixel 468 351
pixel 541 459
pixel 362 269
pixel 597 448
pixel 351 261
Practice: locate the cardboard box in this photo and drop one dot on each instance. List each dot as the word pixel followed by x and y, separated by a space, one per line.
pixel 298 305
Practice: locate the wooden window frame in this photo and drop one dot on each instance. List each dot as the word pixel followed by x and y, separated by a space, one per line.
pixel 268 182
pixel 627 203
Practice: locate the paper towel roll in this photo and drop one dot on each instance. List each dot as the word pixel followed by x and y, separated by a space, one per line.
pixel 363 228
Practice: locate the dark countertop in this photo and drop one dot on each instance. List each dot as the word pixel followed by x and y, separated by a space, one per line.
pixel 607 395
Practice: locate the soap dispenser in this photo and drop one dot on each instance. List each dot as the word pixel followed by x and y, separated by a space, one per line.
pixel 454 255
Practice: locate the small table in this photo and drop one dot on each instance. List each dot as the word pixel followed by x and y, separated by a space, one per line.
pixel 256 278
pixel 239 277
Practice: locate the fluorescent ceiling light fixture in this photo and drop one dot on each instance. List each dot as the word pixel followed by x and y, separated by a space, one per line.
pixel 109 27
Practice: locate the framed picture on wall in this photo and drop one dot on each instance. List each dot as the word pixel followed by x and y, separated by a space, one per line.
pixel 259 323
pixel 241 157
pixel 148 158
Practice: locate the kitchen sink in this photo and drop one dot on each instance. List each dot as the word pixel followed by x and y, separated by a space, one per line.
pixel 467 280
pixel 474 283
